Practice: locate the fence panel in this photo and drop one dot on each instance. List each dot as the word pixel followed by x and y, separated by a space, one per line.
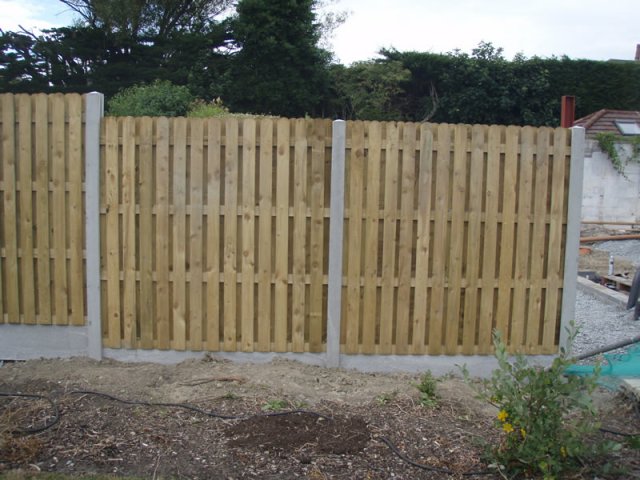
pixel 42 209
pixel 462 233
pixel 216 233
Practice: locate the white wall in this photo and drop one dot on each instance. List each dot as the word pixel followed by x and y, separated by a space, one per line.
pixel 607 195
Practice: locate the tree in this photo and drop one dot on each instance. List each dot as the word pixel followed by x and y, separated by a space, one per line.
pixel 120 44
pixel 161 98
pixel 278 67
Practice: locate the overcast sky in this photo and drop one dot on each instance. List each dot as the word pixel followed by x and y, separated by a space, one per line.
pixel 592 29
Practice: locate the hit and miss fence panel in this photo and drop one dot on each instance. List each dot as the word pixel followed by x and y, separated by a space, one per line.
pixel 216 233
pixel 452 231
pixel 41 209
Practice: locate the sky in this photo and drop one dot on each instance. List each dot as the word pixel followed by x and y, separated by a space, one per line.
pixel 591 29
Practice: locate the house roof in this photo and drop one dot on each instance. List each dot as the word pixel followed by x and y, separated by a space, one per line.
pixel 605 120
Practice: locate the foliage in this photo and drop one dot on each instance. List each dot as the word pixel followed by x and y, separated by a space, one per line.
pixel 427 389
pixel 277 68
pixel 161 98
pixel 274 405
pixel 609 144
pixel 371 90
pixel 201 109
pixel 544 418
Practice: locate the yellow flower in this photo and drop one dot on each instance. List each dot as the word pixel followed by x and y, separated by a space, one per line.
pixel 507 427
pixel 563 452
pixel 502 415
pixel 523 432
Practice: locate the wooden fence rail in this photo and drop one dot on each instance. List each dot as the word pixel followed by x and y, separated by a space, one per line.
pixel 215 232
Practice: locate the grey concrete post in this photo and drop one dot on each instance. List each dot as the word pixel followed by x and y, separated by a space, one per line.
pixel 93 114
pixel 573 232
pixel 336 226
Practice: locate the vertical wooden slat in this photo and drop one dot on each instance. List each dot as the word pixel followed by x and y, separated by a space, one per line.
pixel 163 308
pixel 213 233
pixel 282 235
pixel 441 208
pixel 489 250
pixel 9 215
pixel 353 247
pixel 230 234
pixel 556 219
pixel 59 218
pixel 195 169
pixel 456 241
pixel 370 250
pixel 316 235
pixel 476 174
pixel 521 274
pixel 248 232
pixel 405 245
pixel 265 202
pixel 538 238
pixel 145 235
pixel 42 207
pixel 299 247
pixel 76 215
pixel 391 179
pixel 179 228
pixel 505 282
pixel 423 239
pixel 112 230
pixel 27 286
pixel 128 182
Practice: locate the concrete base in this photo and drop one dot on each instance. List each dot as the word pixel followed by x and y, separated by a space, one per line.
pixel 477 365
pixel 25 342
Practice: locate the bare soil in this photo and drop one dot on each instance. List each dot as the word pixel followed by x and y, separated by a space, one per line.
pixel 341 427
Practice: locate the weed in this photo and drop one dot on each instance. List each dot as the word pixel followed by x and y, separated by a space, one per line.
pixel 274 405
pixel 385 398
pixel 230 396
pixel 427 389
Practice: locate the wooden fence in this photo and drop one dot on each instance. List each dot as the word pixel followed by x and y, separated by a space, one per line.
pixel 215 232
pixel 41 205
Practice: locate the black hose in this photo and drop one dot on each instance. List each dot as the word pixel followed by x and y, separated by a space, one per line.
pixel 42 428
pixel 186 406
pixel 429 468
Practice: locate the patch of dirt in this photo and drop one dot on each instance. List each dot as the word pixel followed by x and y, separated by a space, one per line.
pixel 335 424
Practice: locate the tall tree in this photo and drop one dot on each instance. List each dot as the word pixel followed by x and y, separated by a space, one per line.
pixel 278 67
pixel 120 43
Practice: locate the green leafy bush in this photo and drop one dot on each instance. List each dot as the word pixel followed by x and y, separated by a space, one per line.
pixel 201 109
pixel 159 99
pixel 546 420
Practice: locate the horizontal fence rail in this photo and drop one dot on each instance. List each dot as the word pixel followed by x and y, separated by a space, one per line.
pixel 214 233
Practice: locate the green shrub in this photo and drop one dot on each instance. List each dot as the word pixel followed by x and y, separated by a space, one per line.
pixel 159 99
pixel 546 420
pixel 202 109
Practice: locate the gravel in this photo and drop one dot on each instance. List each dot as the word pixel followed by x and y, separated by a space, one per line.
pixel 601 324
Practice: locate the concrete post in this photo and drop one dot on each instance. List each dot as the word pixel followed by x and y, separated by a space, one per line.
pixel 573 232
pixel 93 114
pixel 336 226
